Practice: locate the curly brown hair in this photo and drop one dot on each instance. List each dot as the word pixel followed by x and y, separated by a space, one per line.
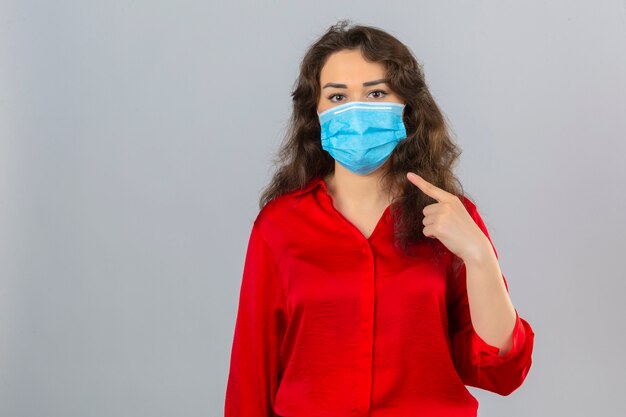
pixel 428 149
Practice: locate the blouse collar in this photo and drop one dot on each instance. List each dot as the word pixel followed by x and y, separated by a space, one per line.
pixel 313 183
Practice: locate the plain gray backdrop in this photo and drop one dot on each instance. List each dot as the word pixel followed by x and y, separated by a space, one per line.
pixel 135 138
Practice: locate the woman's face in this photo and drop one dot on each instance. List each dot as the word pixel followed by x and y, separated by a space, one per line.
pixel 347 76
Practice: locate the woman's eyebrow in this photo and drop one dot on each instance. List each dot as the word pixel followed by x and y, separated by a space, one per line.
pixel 365 84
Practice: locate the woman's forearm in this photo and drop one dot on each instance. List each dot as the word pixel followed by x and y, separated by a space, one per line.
pixel 491 309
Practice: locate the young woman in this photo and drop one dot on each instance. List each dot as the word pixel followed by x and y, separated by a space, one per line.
pixel 371 286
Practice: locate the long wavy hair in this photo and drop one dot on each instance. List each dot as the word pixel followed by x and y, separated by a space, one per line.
pixel 428 149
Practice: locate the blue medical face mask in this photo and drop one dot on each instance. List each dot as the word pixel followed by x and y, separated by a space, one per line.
pixel 361 135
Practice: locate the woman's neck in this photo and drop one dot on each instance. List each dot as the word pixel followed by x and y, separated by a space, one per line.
pixel 359 192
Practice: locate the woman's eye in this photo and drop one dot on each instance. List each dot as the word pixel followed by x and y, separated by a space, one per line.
pixel 384 93
pixel 334 95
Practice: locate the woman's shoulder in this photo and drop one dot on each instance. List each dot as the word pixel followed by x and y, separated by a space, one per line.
pixel 468 203
pixel 273 209
pixel 288 203
pixel 287 207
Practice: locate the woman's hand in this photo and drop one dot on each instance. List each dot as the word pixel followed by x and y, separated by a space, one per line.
pixel 449 221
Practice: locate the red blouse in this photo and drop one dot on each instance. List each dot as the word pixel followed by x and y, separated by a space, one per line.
pixel 331 323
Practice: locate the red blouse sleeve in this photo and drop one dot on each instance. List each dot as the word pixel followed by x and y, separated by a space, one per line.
pixel 259 328
pixel 477 362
